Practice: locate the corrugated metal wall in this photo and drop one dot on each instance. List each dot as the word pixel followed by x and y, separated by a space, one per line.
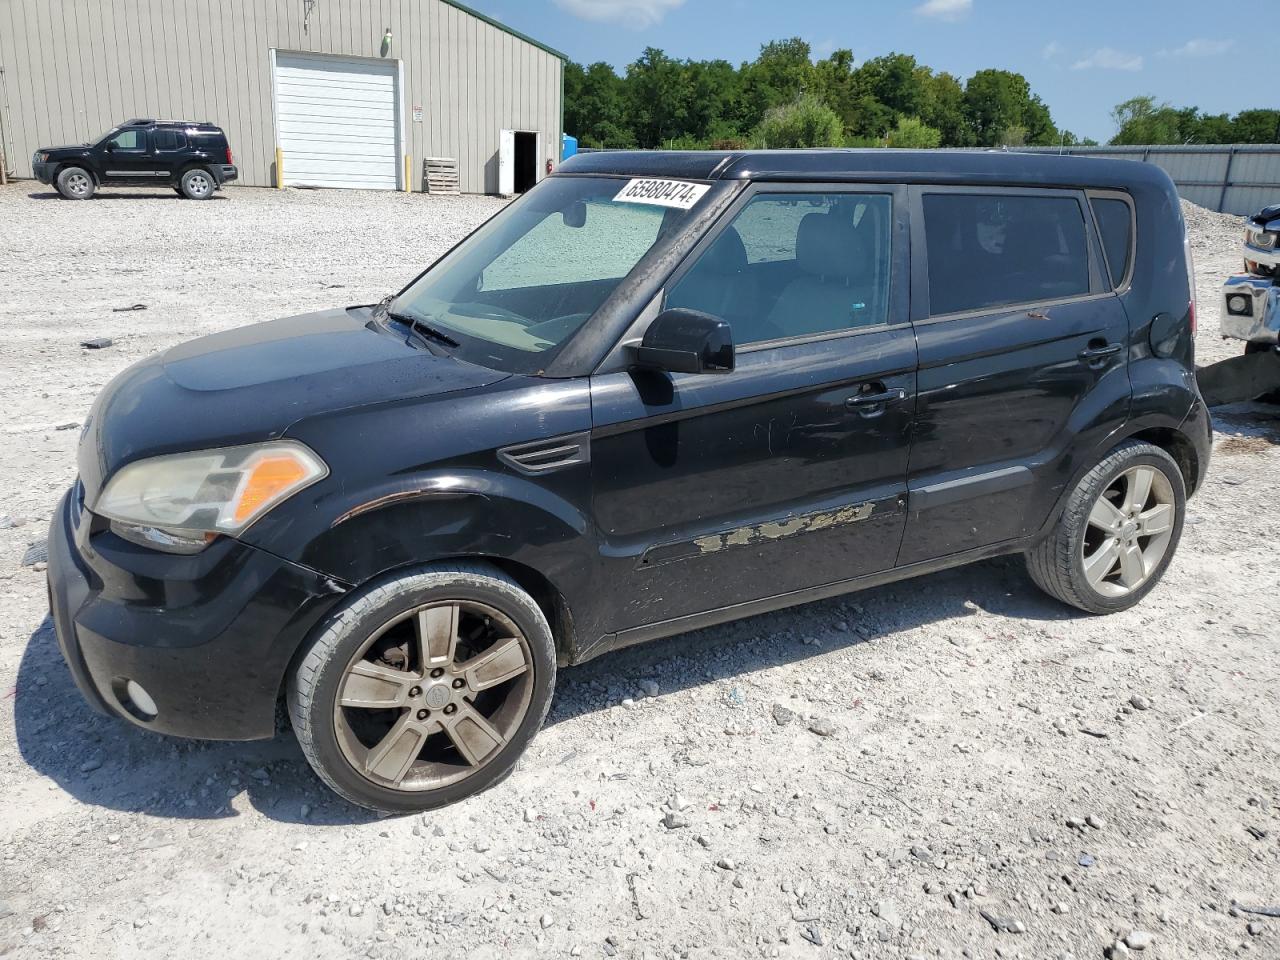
pixel 1240 179
pixel 75 68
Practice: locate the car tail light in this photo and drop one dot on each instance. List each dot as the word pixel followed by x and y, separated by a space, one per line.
pixel 1191 278
pixel 230 159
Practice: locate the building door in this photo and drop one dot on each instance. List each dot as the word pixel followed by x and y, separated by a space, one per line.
pixel 338 121
pixel 517 161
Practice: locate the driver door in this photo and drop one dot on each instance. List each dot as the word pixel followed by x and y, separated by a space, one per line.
pixel 127 157
pixel 711 491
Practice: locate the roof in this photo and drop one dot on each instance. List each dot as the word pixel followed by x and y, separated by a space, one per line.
pixel 137 122
pixel 897 166
pixel 505 29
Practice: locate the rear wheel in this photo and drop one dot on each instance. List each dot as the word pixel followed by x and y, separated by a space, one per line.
pixel 1117 534
pixel 76 183
pixel 197 184
pixel 425 689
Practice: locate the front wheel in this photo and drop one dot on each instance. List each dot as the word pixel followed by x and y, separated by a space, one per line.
pixel 424 689
pixel 75 183
pixel 197 184
pixel 1117 533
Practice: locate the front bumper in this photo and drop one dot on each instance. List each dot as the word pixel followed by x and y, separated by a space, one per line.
pixel 43 171
pixel 1260 320
pixel 209 637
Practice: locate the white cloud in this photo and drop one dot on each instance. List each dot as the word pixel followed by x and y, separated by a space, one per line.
pixel 636 14
pixel 1105 58
pixel 945 9
pixel 1200 47
pixel 1051 50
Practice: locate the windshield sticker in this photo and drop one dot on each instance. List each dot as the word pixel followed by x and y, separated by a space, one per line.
pixel 662 193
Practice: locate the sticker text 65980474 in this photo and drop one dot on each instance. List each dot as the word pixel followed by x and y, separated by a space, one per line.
pixel 680 194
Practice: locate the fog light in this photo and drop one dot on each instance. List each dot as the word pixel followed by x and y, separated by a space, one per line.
pixel 140 700
pixel 1238 304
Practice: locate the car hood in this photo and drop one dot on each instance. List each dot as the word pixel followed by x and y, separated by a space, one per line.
pixel 77 148
pixel 250 384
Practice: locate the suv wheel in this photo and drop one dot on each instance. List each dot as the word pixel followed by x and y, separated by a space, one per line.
pixel 425 688
pixel 1117 534
pixel 197 184
pixel 76 183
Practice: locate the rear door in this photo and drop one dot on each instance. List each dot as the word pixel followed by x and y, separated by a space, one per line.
pixel 1023 361
pixel 790 472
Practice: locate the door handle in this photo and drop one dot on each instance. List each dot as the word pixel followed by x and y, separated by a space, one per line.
pixel 1091 353
pixel 876 399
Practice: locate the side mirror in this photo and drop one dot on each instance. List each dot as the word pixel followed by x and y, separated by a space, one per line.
pixel 686 341
pixel 109 146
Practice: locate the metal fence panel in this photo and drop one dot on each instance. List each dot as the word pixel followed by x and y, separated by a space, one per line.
pixel 1231 178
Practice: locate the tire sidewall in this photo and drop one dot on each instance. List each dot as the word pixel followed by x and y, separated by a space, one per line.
pixel 67 172
pixel 186 192
pixel 1137 457
pixel 359 620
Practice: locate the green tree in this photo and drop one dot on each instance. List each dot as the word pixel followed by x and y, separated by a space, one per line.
pixel 1140 120
pixel 781 73
pixel 805 122
pixel 595 108
pixel 945 109
pixel 657 97
pixel 913 134
pixel 999 101
pixel 1256 126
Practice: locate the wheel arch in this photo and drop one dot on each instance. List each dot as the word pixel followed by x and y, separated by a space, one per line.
pixel 549 598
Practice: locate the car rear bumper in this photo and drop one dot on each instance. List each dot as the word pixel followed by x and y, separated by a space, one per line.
pixel 208 637
pixel 226 172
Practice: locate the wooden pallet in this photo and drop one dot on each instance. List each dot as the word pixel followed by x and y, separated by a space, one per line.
pixel 440 175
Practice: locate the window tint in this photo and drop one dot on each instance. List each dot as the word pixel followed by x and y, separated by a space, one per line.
pixel 795 264
pixel 135 140
pixel 989 250
pixel 168 140
pixel 1115 223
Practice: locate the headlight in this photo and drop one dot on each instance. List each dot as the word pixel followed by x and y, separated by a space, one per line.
pixel 180 503
pixel 1262 239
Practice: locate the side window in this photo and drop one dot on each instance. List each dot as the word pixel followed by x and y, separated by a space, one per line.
pixel 130 141
pixel 990 250
pixel 1115 224
pixel 796 264
pixel 168 141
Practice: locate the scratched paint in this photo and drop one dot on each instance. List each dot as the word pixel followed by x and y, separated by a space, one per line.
pixel 783 529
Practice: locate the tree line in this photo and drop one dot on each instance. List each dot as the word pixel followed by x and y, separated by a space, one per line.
pixel 784 98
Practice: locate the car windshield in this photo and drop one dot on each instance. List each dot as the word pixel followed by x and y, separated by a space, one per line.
pixel 519 288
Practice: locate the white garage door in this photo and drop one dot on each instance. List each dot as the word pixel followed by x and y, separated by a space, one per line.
pixel 336 121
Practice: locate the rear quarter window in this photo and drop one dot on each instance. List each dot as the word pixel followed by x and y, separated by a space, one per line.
pixel 1115 226
pixel 991 250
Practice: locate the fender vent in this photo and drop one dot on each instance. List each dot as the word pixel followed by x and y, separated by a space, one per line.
pixel 544 456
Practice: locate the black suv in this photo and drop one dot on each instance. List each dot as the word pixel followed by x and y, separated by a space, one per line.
pixel 193 158
pixel 660 391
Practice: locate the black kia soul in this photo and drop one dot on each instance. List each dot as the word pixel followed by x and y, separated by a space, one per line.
pixel 660 391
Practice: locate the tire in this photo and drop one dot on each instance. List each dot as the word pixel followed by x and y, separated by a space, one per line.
pixel 197 184
pixel 415 731
pixel 1058 563
pixel 1271 396
pixel 75 183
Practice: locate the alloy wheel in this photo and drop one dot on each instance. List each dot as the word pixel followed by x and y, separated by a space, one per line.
pixel 434 695
pixel 78 184
pixel 198 184
pixel 1129 530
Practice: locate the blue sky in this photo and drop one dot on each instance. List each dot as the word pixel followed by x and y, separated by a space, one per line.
pixel 1082 56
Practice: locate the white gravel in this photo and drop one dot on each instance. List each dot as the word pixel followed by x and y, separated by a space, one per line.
pixel 901 773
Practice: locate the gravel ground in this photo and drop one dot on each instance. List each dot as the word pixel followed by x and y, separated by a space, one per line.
pixel 951 767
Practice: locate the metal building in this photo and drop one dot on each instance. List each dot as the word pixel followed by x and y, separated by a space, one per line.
pixel 353 93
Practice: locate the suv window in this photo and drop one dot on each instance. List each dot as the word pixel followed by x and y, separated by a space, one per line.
pixel 130 141
pixel 795 264
pixel 167 141
pixel 989 250
pixel 1115 224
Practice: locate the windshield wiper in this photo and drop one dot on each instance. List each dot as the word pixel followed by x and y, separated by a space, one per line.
pixel 415 324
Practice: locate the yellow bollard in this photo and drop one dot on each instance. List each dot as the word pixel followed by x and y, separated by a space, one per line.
pixel 279 169
pixel 408 173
